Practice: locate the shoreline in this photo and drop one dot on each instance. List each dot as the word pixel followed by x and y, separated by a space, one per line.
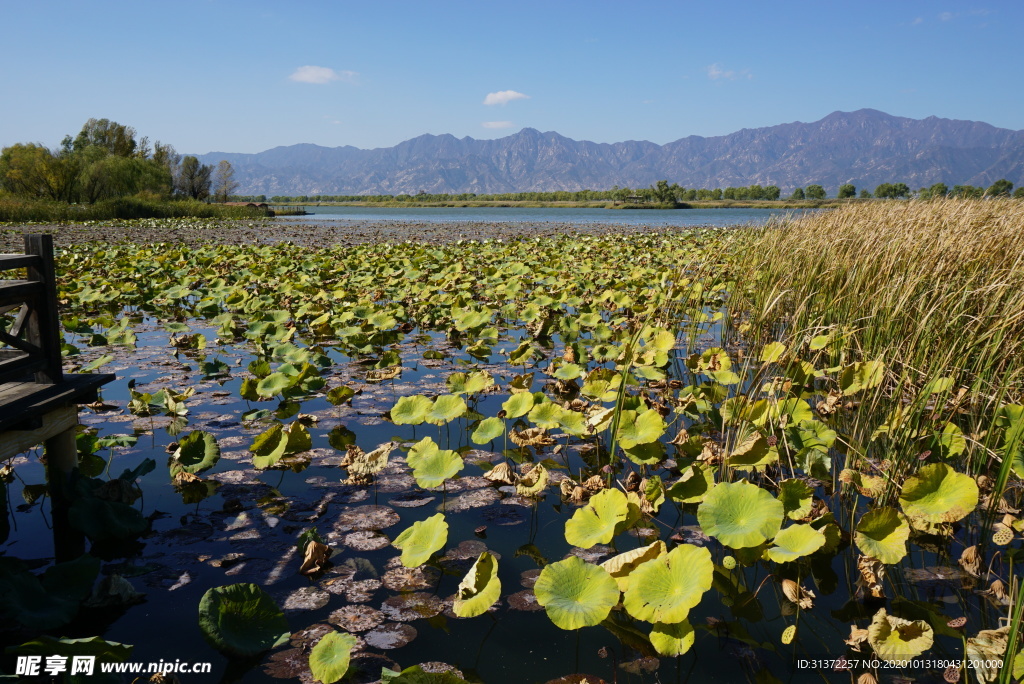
pixel 601 204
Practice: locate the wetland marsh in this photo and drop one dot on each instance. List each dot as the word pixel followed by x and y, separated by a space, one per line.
pixel 535 450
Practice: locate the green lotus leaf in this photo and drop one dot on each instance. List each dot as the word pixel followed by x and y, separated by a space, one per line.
pixel 242 620
pixel 488 429
pixel 416 675
pixel 894 638
pixel 431 466
pixel 273 385
pixel 882 533
pixel 740 514
pixel 938 494
pixel 666 588
pixel 672 639
pixel 446 408
pixel 693 486
pixel 773 351
pixel 797 498
pixel 462 383
pixel 796 541
pixel 518 404
pixel 949 442
pixel 329 659
pixel 422 540
pixel 595 523
pixel 572 423
pixel 640 428
pixel 197 451
pixel 411 410
pixel 479 589
pixel 751 451
pixel 575 593
pixel 861 376
pixel 546 414
pixel 278 441
pixel 622 565
pixel 342 394
pixel 569 371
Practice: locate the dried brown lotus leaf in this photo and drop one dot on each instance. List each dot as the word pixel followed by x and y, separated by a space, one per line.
pixel 182 477
pixel 535 436
pixel 579 495
pixel 621 565
pixel 566 487
pixel 857 637
pixel 970 560
pixel 985 652
pixel 867 678
pixel 997 590
pixel 533 481
pixel 830 404
pixel 710 453
pixel 804 598
pixel 681 437
pixel 501 473
pixel 594 483
pixel 632 482
pixel 371 463
pixel 316 558
pixel 872 574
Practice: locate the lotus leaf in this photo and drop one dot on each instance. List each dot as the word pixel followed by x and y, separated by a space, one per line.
pixel 479 589
pixel 446 408
pixel 751 451
pixel 795 541
pixel 666 588
pixel 197 451
pixel 329 659
pixel 639 428
pixel 575 593
pixel 417 675
pixel 894 638
pixel 740 514
pixel 422 540
pixel 694 484
pixel 488 429
pixel 596 522
pixel 938 494
pixel 518 404
pixel 411 410
pixel 622 565
pixel 672 639
pixel 533 482
pixel 546 414
pixel 772 352
pixel 242 620
pixel 274 384
pixel 276 442
pixel 862 375
pixel 882 533
pixel 797 498
pixel 431 466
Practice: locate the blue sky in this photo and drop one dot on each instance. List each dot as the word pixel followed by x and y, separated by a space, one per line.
pixel 247 76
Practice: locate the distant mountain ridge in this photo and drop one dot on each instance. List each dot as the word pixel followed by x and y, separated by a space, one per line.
pixel 866 148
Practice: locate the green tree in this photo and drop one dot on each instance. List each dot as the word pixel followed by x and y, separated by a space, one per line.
pixel 846 190
pixel 115 138
pixel 1001 188
pixel 224 183
pixel 815 192
pixel 1019 193
pixel 772 192
pixel 938 191
pixel 798 194
pixel 194 178
pixel 865 194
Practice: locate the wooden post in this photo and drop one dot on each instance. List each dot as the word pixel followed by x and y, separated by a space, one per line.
pixel 61 459
pixel 44 324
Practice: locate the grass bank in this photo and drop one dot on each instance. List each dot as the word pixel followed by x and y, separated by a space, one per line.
pixel 22 211
pixel 596 204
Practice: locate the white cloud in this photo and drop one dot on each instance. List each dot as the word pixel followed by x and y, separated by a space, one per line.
pixel 497 124
pixel 717 71
pixel 321 75
pixel 504 97
pixel 946 16
pixel 918 20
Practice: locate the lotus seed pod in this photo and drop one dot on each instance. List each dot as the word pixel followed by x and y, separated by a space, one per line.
pixel 728 562
pixel 1003 536
pixel 788 634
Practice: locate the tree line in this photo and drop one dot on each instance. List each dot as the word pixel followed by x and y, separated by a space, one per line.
pixel 664 193
pixel 106 160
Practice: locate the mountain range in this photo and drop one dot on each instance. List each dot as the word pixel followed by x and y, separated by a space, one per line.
pixel 866 148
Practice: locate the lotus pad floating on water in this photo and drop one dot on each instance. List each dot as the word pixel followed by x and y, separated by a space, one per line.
pixel 894 638
pixel 937 494
pixel 666 588
pixel 796 541
pixel 672 639
pixel 576 594
pixel 597 521
pixel 329 659
pixel 420 541
pixel 242 620
pixel 740 514
pixel 882 533
pixel 479 589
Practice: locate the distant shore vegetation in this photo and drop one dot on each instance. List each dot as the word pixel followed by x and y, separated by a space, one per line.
pixel 660 195
pixel 106 171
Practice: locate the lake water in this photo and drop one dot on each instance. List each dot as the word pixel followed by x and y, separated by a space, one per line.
pixel 636 217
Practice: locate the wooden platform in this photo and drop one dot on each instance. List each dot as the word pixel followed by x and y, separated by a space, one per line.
pixel 22 404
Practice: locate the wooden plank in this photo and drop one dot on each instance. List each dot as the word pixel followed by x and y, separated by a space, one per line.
pixel 12 291
pixel 9 391
pixel 9 261
pixel 15 442
pixel 74 389
pixel 19 368
pixel 45 333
